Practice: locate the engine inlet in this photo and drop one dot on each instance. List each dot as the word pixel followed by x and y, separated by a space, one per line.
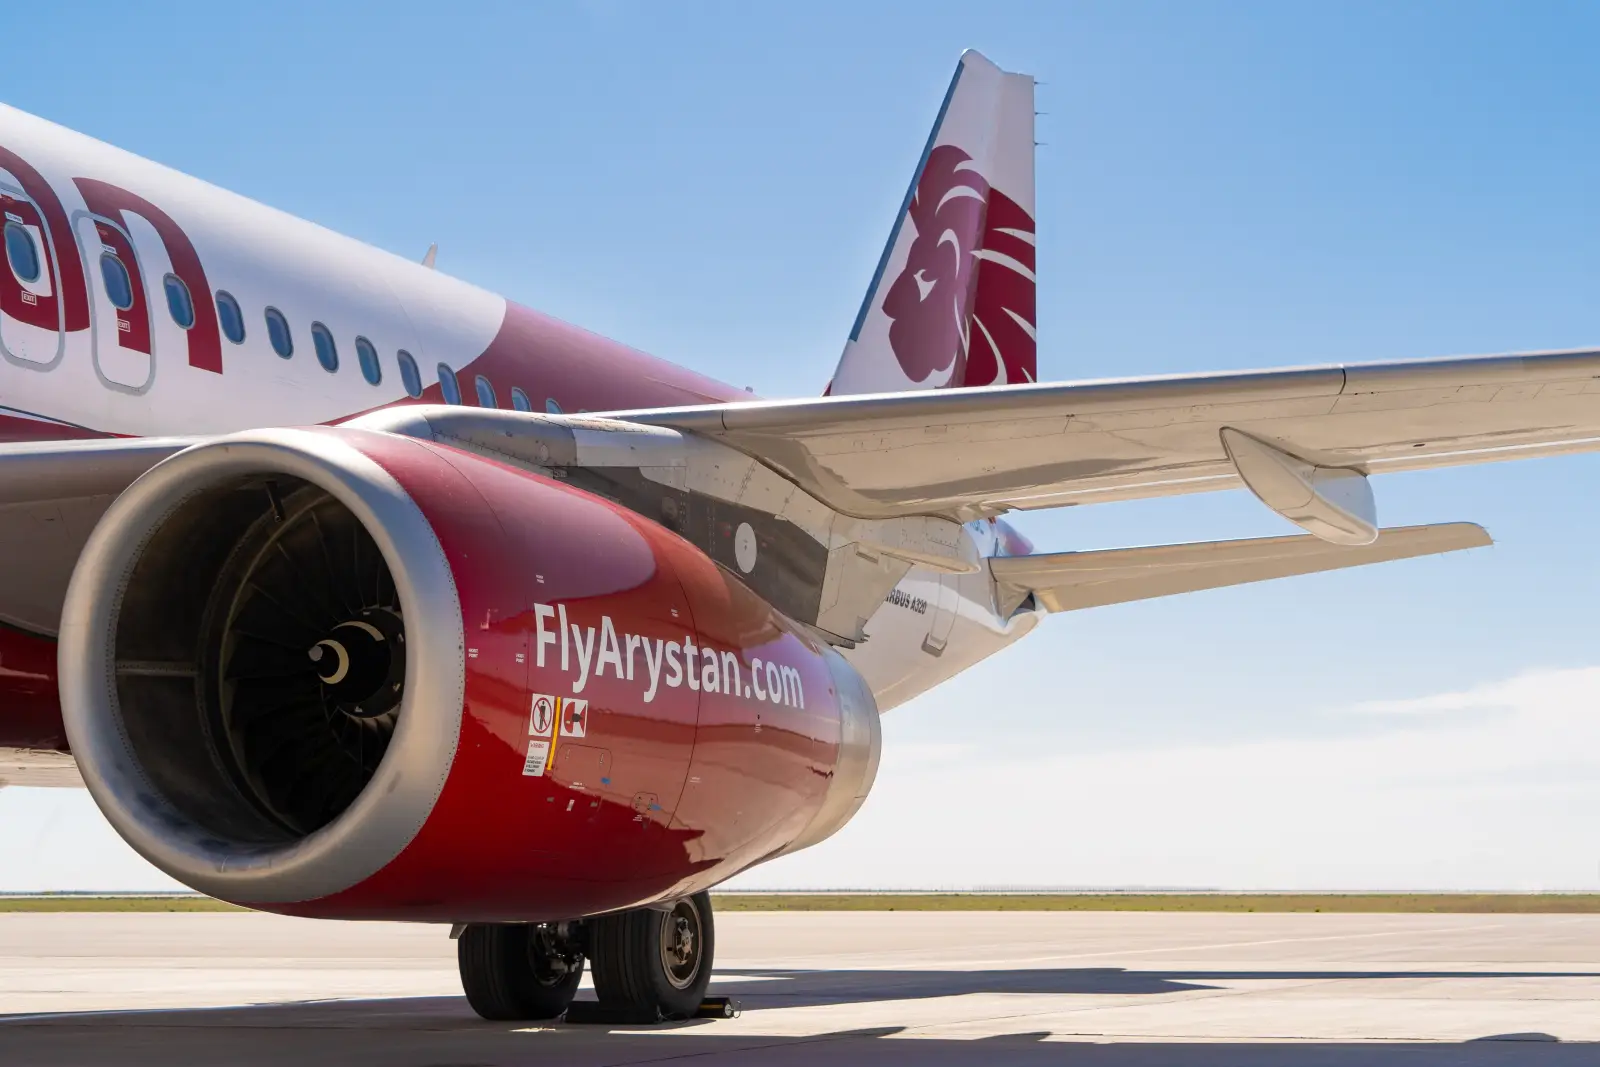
pixel 253 696
pixel 302 660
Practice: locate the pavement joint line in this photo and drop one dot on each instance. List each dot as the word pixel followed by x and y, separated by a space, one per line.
pixel 1238 944
pixel 1210 993
pixel 838 960
pixel 123 1013
pixel 1169 997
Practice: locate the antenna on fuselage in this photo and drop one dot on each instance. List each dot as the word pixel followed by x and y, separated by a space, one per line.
pixel 432 254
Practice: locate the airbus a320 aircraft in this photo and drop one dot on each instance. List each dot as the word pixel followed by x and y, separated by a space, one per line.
pixel 352 591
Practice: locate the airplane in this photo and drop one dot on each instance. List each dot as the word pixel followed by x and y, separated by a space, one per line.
pixel 350 590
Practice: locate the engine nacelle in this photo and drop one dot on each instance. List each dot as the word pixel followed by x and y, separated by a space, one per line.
pixel 345 673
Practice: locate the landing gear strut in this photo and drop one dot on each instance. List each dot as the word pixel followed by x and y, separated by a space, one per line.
pixel 522 971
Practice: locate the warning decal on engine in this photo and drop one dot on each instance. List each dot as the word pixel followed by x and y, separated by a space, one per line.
pixel 574 717
pixel 542 719
pixel 538 756
pixel 544 714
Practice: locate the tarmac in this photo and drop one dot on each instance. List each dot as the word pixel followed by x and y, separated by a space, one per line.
pixel 925 988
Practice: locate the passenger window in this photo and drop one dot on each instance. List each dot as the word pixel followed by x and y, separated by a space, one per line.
pixel 22 252
pixel 448 384
pixel 519 400
pixel 179 304
pixel 367 356
pixel 119 287
pixel 278 333
pixel 551 406
pixel 409 376
pixel 327 351
pixel 230 318
pixel 486 397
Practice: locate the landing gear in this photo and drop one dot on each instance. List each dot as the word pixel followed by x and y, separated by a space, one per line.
pixel 651 964
pixel 520 971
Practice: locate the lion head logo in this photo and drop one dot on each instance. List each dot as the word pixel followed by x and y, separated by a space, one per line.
pixel 962 308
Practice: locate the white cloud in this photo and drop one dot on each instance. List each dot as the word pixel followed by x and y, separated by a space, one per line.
pixel 1497 787
pixel 1533 688
pixel 1506 795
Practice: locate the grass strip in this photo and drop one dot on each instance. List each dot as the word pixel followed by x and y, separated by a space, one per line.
pixel 1399 903
pixel 117 903
pixel 1413 903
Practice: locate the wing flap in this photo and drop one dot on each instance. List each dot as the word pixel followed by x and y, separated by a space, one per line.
pixel 1068 581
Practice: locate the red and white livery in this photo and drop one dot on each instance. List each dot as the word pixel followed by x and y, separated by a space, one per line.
pixel 349 589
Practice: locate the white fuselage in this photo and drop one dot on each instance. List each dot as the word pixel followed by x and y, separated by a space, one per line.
pixel 95 367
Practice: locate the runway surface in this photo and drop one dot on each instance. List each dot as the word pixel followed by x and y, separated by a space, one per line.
pixel 926 988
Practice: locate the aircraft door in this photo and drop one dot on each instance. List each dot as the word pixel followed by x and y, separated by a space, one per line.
pixel 941 614
pixel 124 351
pixel 30 308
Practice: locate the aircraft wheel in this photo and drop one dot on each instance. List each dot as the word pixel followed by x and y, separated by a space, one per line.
pixel 654 964
pixel 518 971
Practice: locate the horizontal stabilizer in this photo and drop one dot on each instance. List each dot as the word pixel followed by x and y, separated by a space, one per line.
pixel 1066 581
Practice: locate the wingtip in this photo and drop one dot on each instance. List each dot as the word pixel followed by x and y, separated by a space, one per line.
pixel 1463 534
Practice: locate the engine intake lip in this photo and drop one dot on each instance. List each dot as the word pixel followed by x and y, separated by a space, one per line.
pixel 390 811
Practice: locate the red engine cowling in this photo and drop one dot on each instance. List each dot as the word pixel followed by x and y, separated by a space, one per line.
pixel 345 673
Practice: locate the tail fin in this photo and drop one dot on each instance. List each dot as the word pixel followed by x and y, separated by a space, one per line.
pixel 952 302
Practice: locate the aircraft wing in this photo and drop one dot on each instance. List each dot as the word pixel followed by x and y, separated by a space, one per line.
pixel 1067 581
pixel 55 470
pixel 51 495
pixel 971 453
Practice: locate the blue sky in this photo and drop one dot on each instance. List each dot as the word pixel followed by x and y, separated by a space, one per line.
pixel 1220 186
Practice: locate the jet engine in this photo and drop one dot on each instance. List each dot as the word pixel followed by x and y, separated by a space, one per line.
pixel 347 673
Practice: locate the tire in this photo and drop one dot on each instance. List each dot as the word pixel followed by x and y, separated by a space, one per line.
pixel 638 959
pixel 507 976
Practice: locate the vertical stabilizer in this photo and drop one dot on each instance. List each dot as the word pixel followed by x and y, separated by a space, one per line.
pixel 952 302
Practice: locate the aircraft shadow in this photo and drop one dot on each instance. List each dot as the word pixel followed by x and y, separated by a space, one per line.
pixel 798 988
pixel 443 1032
